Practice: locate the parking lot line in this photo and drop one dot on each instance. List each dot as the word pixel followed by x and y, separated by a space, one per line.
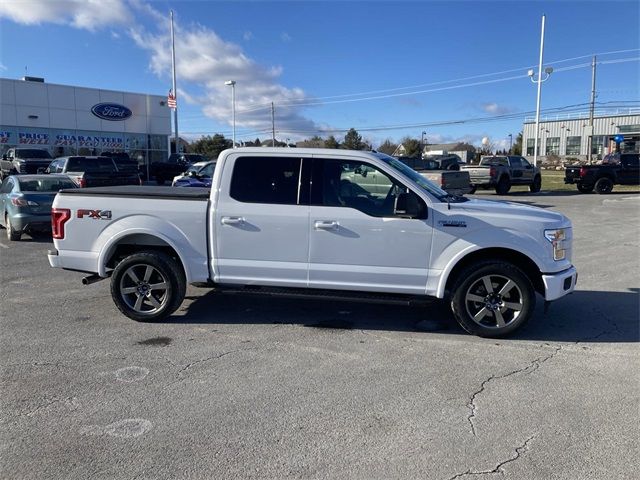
pixel 3 245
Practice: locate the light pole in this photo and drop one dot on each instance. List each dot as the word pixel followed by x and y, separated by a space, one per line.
pixel 510 142
pixel 539 81
pixel 232 83
pixel 422 143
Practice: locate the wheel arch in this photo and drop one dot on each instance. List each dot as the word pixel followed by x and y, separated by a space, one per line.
pixel 520 260
pixel 132 242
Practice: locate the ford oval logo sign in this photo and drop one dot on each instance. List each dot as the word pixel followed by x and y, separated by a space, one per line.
pixel 111 111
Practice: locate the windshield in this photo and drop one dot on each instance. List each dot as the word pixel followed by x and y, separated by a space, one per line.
pixel 32 153
pixel 413 175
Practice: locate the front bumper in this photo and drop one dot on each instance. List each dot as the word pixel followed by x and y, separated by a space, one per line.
pixel 557 285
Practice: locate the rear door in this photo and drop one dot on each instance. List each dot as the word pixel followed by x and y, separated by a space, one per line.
pixel 260 226
pixel 356 242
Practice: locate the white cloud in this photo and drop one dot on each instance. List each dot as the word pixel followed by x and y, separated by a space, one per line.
pixel 84 14
pixel 206 61
pixel 3 68
pixel 285 37
pixel 247 36
pixel 495 109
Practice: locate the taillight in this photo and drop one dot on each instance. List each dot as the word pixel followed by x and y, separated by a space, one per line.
pixel 583 172
pixel 81 181
pixel 59 216
pixel 492 171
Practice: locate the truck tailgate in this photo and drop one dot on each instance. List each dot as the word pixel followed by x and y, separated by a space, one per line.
pixel 452 181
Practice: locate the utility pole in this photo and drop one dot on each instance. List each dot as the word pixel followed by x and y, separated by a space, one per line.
pixel 273 126
pixel 175 91
pixel 535 146
pixel 591 108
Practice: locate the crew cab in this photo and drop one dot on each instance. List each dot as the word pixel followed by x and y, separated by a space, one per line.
pixel 502 172
pixel 23 160
pixel 96 171
pixel 316 221
pixel 615 169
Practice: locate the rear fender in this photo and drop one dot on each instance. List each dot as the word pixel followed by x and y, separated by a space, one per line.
pixel 118 232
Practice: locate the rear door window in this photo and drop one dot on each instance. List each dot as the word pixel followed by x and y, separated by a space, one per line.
pixel 266 180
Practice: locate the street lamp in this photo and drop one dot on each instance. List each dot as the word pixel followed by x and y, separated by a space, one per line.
pixel 539 81
pixel 232 84
pixel 510 142
pixel 422 143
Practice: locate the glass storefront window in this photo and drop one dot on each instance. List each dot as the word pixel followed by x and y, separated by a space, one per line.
pixel 573 145
pixel 531 146
pixel 158 142
pixel 597 144
pixel 553 146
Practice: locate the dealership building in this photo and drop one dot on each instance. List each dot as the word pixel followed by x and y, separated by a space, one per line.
pixel 569 135
pixel 68 120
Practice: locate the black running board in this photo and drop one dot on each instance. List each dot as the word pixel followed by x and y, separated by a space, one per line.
pixel 312 293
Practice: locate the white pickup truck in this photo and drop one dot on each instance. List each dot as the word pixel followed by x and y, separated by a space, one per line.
pixel 316 221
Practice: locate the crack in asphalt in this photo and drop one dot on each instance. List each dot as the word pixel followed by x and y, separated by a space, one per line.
pixel 70 400
pixel 610 321
pixel 498 468
pixel 207 359
pixel 530 368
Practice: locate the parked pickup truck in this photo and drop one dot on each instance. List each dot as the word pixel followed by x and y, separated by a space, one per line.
pixel 23 160
pixel 501 172
pixel 622 169
pixel 450 178
pixel 96 171
pixel 316 221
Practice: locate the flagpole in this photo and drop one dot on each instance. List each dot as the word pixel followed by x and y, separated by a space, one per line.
pixel 175 92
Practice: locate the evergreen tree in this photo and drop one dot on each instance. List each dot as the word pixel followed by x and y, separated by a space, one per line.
pixel 331 142
pixel 211 146
pixel 353 141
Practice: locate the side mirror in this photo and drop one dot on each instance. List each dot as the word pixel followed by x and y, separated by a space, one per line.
pixel 4 156
pixel 193 173
pixel 43 170
pixel 408 205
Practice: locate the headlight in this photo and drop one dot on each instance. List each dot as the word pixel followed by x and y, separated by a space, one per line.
pixel 556 237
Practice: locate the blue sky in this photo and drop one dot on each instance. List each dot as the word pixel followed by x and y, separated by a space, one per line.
pixel 329 66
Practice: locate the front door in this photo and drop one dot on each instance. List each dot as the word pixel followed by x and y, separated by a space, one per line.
pixel 260 229
pixel 356 241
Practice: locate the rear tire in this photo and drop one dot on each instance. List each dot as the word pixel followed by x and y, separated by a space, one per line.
pixel 148 286
pixel 536 185
pixel 504 185
pixel 473 190
pixel 12 235
pixel 604 185
pixel 492 299
pixel 582 188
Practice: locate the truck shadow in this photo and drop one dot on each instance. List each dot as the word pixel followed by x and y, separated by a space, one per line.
pixel 583 316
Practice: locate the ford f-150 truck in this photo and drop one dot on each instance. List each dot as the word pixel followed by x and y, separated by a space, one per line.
pixel 23 160
pixel 316 221
pixel 450 179
pixel 502 172
pixel 622 169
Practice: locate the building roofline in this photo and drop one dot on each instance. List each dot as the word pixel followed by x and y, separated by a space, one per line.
pixel 80 86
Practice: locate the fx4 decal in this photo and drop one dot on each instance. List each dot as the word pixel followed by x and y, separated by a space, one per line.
pixel 96 214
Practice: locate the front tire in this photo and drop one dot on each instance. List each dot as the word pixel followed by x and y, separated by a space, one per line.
pixel 536 185
pixel 148 286
pixel 604 185
pixel 492 299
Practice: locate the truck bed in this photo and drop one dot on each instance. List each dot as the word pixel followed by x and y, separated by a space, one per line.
pixel 194 193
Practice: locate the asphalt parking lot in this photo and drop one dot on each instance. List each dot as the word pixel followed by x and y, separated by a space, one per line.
pixel 255 387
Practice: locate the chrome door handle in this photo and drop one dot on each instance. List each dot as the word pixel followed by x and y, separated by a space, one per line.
pixel 326 225
pixel 232 220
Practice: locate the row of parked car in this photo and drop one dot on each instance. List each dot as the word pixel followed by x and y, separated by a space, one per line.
pixel 31 178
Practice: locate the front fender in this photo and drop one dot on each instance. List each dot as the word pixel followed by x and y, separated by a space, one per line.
pixel 461 247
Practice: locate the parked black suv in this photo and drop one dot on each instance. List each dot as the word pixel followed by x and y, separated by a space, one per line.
pixel 23 160
pixel 175 165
